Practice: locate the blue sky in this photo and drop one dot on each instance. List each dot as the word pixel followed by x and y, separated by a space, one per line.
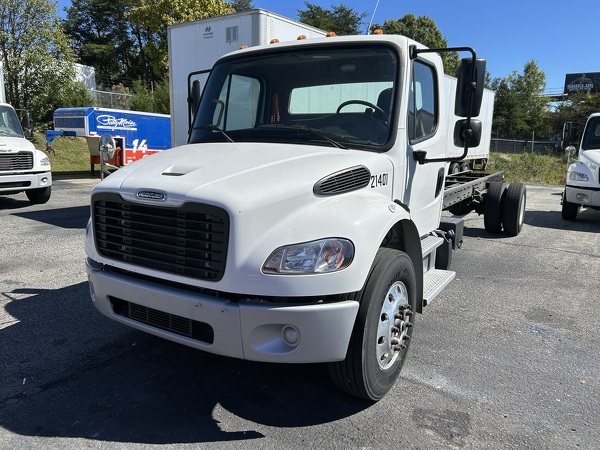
pixel 563 37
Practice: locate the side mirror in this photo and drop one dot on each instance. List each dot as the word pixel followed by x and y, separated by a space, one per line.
pixel 570 150
pixel 462 130
pixel 469 87
pixel 567 132
pixel 27 125
pixel 107 147
pixel 196 93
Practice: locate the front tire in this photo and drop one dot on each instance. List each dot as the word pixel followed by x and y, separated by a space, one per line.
pixel 382 331
pixel 39 196
pixel 569 210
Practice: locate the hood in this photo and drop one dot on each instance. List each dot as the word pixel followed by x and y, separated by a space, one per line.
pixel 14 144
pixel 590 158
pixel 226 173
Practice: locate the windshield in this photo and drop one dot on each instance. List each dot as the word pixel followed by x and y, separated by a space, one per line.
pixel 328 95
pixel 591 138
pixel 9 123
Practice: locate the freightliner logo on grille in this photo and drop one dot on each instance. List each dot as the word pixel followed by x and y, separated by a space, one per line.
pixel 152 195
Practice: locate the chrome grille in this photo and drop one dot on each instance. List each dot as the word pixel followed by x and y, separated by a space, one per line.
pixel 16 161
pixel 190 240
pixel 343 181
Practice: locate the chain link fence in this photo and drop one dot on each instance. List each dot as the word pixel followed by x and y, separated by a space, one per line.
pixel 114 100
pixel 515 146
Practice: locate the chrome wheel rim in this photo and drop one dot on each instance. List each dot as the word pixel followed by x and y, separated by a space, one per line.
pixel 393 326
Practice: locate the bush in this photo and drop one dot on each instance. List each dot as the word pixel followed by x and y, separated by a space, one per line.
pixel 531 168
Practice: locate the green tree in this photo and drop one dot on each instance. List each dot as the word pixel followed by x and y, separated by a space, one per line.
pixel 155 99
pixel 341 19
pixel 76 94
pixel 423 29
pixel 103 38
pixel 520 108
pixel 35 54
pixel 242 5
pixel 574 109
pixel 149 20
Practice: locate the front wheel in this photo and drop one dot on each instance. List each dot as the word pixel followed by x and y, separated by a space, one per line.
pixel 39 196
pixel 382 331
pixel 569 210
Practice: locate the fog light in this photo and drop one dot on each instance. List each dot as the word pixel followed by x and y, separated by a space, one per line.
pixel 291 335
pixel 581 197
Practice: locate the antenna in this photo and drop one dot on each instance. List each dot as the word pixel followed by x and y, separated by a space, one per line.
pixel 373 15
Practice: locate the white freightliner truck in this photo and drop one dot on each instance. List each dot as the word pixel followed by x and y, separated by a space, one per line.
pixel 302 222
pixel 23 168
pixel 583 176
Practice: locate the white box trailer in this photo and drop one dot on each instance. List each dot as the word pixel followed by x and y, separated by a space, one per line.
pixel 195 46
pixel 478 155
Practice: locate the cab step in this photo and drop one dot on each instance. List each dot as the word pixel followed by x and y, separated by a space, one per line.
pixel 434 282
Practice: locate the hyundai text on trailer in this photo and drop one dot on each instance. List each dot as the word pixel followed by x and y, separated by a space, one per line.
pixel 302 222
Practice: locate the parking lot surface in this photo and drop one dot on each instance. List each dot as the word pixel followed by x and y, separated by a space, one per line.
pixel 505 358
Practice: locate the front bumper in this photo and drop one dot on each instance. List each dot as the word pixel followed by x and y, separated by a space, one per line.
pixel 24 181
pixel 257 331
pixel 585 196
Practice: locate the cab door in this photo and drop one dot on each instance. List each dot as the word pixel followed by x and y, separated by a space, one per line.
pixel 425 131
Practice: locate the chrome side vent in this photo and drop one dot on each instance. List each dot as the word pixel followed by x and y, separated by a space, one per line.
pixel 346 180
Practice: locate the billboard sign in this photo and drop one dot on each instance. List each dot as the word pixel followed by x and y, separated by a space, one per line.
pixel 577 82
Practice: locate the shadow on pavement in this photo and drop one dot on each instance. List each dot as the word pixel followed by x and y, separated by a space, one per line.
pixel 75 373
pixel 72 217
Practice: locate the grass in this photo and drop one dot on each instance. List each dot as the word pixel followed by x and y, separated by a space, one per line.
pixel 69 154
pixel 530 168
pixel 72 155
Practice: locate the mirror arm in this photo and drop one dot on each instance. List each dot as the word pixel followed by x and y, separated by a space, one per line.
pixel 471 87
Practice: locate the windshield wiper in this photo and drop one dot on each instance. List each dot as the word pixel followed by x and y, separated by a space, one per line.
pixel 214 128
pixel 304 128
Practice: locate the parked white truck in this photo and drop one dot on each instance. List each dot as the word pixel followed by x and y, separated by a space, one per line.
pixel 583 176
pixel 23 168
pixel 302 222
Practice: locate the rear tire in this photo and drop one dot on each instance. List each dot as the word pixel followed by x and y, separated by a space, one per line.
pixel 569 210
pixel 494 206
pixel 514 209
pixel 382 331
pixel 454 168
pixel 39 196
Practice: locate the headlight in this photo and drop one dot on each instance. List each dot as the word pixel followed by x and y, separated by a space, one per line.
pixel 323 256
pixel 578 176
pixel 45 161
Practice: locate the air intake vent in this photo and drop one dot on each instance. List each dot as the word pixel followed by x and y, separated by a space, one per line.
pixel 344 181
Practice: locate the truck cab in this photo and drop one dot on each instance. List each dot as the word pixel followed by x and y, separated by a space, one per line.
pixel 582 187
pixel 23 168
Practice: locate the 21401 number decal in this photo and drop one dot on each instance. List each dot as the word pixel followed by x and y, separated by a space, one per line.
pixel 379 180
